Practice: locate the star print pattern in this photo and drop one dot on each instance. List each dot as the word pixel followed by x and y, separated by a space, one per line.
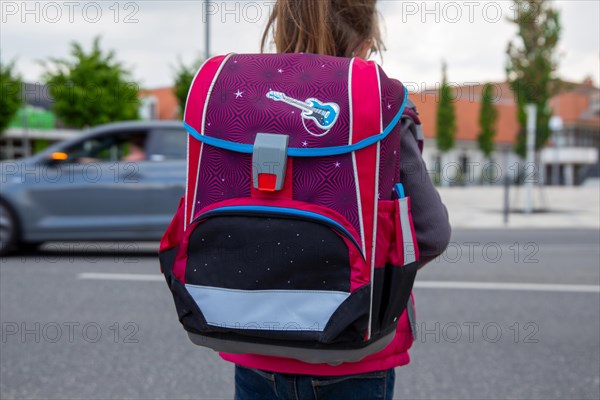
pixel 318 181
pixel 244 109
pixel 238 107
pixel 267 253
pixel 223 175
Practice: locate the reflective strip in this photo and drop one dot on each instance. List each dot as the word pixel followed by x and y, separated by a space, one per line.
pixel 420 135
pixel 408 245
pixel 187 180
pixel 534 287
pixel 354 167
pixel 375 202
pixel 294 310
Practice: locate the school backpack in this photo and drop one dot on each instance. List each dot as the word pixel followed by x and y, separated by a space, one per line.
pixel 294 237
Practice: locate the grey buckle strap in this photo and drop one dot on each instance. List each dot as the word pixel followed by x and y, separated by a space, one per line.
pixel 269 161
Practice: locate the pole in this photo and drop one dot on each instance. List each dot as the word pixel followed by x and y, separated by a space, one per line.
pixel 556 126
pixel 207 30
pixel 506 208
pixel 26 149
pixel 556 166
pixel 530 160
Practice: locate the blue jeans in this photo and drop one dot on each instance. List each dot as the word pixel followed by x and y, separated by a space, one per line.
pixel 254 384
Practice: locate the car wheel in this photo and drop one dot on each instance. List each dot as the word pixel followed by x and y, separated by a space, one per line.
pixel 8 229
pixel 28 247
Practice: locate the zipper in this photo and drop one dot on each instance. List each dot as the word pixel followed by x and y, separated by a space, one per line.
pixel 260 211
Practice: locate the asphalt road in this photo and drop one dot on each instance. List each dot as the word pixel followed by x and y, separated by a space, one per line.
pixel 67 337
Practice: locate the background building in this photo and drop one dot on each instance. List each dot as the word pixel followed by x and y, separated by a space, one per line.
pixel 573 151
pixel 159 103
pixel 34 127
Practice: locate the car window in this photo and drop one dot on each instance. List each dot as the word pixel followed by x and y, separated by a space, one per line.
pixel 167 144
pixel 121 146
pixel 100 148
pixel 132 148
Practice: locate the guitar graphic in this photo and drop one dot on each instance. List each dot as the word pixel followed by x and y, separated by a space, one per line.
pixel 323 115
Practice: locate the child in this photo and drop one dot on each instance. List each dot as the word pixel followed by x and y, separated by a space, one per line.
pixel 344 28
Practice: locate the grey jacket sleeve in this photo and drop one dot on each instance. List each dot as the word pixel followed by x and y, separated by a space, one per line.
pixel 430 217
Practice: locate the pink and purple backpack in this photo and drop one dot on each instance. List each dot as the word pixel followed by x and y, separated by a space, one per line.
pixel 294 237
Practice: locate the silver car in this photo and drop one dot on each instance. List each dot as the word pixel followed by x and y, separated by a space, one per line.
pixel 118 181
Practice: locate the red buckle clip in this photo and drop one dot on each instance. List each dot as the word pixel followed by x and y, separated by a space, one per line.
pixel 267 182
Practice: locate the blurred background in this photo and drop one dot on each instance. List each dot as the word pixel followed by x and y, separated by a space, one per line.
pixel 93 164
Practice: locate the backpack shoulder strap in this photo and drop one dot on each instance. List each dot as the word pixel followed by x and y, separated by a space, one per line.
pixel 410 112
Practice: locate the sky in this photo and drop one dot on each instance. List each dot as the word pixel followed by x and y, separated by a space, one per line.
pixel 149 37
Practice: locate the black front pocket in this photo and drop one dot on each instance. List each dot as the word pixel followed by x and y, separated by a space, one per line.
pixel 270 275
pixel 267 253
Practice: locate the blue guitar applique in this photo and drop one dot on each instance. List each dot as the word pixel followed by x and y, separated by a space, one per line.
pixel 322 114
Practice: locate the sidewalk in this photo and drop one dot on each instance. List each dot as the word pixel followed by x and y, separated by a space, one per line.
pixel 564 207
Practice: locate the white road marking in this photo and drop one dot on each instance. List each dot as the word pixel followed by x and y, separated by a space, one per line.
pixel 121 277
pixel 536 287
pixel 541 287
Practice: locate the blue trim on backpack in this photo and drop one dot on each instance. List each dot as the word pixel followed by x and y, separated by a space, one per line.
pixel 283 211
pixel 300 151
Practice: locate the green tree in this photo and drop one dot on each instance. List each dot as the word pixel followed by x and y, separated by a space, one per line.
pixel 10 94
pixel 531 65
pixel 487 121
pixel 184 75
pixel 446 116
pixel 91 88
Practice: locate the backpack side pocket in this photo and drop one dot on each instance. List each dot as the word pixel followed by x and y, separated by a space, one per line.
pixel 401 265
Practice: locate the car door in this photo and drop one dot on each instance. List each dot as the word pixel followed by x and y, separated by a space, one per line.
pixel 167 147
pixel 97 191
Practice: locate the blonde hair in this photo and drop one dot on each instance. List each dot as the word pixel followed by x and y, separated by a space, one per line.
pixel 330 27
